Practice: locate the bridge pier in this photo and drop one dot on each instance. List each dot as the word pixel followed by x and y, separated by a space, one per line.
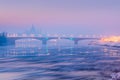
pixel 76 43
pixel 44 44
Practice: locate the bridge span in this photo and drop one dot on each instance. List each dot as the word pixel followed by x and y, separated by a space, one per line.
pixel 11 40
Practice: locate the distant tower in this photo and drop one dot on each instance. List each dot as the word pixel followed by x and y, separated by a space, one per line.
pixel 33 30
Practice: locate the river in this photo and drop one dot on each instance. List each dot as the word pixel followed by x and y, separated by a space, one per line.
pixel 65 63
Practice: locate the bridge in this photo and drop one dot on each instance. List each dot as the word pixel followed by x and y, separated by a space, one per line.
pixel 11 38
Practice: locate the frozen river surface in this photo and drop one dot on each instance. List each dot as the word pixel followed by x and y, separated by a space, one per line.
pixel 83 63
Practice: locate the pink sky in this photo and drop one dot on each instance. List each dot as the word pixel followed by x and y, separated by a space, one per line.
pixel 98 15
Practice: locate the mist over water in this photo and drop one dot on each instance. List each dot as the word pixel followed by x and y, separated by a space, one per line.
pixel 58 62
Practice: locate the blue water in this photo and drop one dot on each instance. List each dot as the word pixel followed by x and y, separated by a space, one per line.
pixel 81 63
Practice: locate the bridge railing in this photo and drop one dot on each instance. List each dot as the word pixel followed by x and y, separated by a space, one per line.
pixel 23 35
pixel 53 35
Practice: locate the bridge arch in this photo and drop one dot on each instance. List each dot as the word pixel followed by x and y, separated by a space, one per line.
pixel 65 42
pixel 52 42
pixel 28 42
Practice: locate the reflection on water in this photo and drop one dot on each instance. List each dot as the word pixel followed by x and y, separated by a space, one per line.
pixel 69 63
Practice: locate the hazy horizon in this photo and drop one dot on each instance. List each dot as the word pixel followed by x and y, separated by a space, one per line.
pixel 61 16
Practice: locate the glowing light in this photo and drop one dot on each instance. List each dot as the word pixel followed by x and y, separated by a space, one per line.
pixel 32 35
pixel 80 36
pixel 55 35
pixel 24 35
pixel 39 35
pixel 53 40
pixel 86 36
pixel 48 35
pixel 111 39
pixel 71 35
